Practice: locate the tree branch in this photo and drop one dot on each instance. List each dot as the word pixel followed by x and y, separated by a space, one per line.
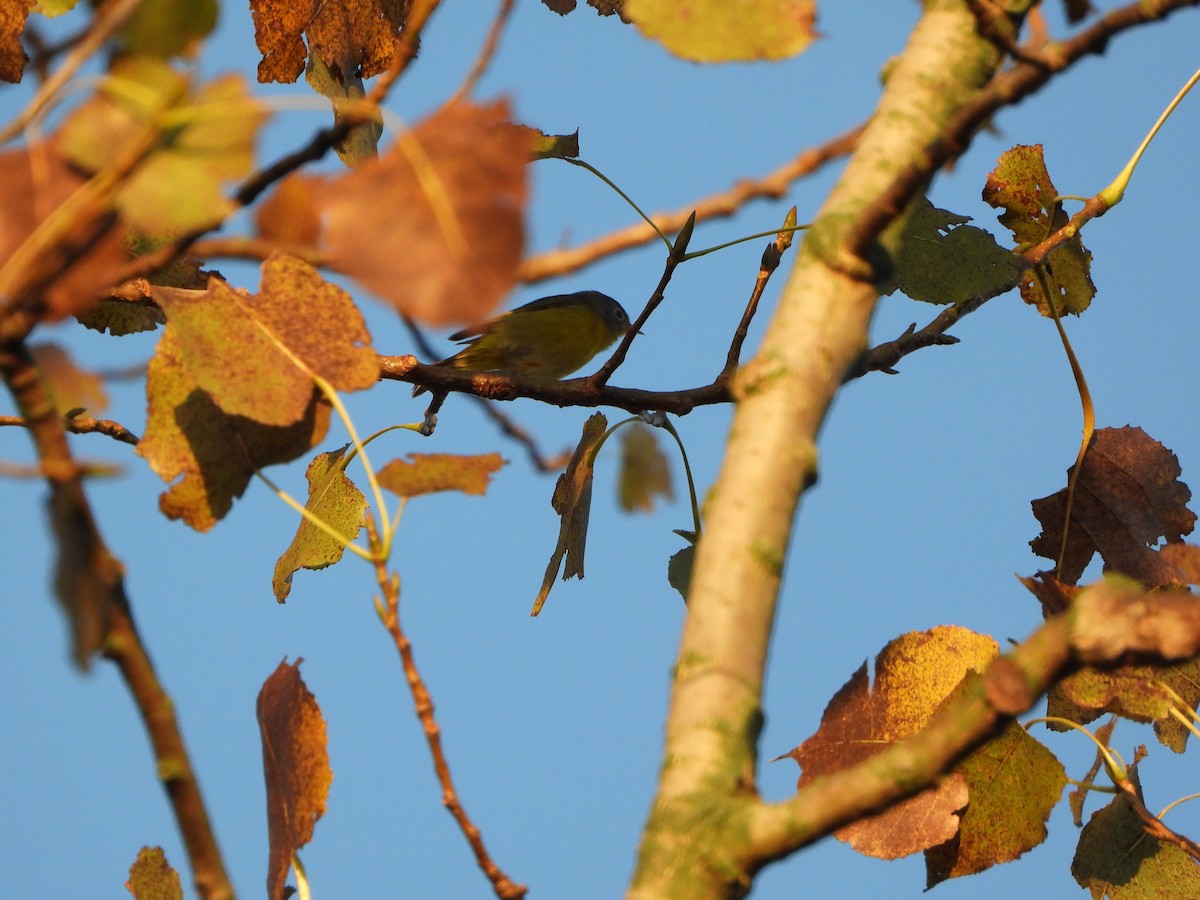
pixel 90 583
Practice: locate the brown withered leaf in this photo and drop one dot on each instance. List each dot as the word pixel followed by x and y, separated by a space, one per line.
pixel 255 356
pixel 12 55
pixel 335 500
pixel 356 36
pixel 295 765
pixel 434 225
pixel 1021 186
pixel 1128 496
pixel 152 878
pixel 1185 558
pixel 216 454
pixel 71 386
pixel 644 472
pixel 915 673
pixel 572 501
pixel 427 473
pixel 1052 594
pixel 34 187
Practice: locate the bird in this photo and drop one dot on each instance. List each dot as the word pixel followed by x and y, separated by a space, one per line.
pixel 550 337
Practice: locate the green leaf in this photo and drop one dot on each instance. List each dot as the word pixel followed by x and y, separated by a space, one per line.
pixel 720 31
pixel 335 500
pixel 166 28
pixel 943 260
pixel 1117 859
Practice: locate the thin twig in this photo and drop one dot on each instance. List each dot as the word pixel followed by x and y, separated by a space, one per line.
pixel 389 614
pixel 90 580
pixel 773 185
pixel 486 53
pixel 82 425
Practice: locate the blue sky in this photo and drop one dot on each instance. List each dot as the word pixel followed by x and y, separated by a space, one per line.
pixel 553 726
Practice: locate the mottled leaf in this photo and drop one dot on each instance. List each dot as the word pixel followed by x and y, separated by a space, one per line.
pixel 357 37
pixel 13 14
pixel 335 500
pixel 1021 186
pixel 434 225
pixel 572 501
pixel 1013 783
pixel 427 473
pixel 1117 859
pixel 216 454
pixel 255 355
pixel 152 878
pixel 295 765
pixel 720 31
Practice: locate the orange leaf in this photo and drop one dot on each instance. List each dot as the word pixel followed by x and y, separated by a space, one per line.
pixel 296 767
pixel 434 225
pixel 427 473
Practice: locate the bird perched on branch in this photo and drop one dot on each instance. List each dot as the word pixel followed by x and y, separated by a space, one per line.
pixel 547 338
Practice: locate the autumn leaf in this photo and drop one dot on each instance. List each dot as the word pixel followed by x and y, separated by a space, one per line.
pixel 720 31
pixel 40 235
pixel 12 54
pixel 255 356
pixel 427 473
pixel 679 566
pixel 1117 859
pixel 572 501
pixel 1133 692
pixel 1128 496
pixel 434 225
pixel 152 878
pixel 192 143
pixel 71 387
pixel 644 473
pixel 335 500
pixel 1021 186
pixel 296 767
pixel 357 37
pixel 943 260
pixel 915 673
pixel 217 454
pixel 290 214
pixel 1013 783
pixel 166 28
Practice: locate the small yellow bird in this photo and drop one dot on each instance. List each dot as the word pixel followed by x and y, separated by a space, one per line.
pixel 546 338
